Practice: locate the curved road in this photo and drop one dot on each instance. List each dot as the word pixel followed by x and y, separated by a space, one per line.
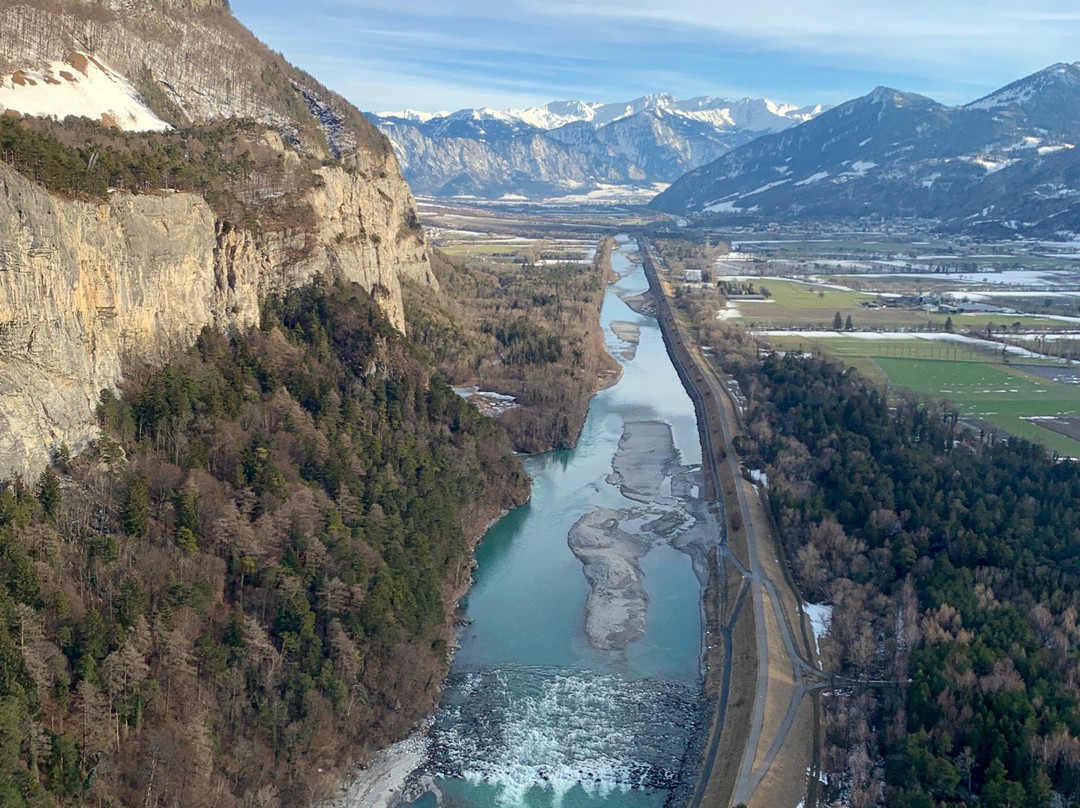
pixel 707 390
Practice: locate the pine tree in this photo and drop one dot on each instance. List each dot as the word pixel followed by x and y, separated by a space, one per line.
pixel 136 514
pixel 49 493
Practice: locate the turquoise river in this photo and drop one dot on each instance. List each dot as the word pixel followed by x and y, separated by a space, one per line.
pixel 532 714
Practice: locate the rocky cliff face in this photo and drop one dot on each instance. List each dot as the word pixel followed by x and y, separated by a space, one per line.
pixel 87 287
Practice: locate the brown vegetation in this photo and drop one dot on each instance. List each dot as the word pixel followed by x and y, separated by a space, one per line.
pixel 247 587
pixel 527 330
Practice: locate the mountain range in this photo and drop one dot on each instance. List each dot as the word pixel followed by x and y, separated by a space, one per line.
pixel 1003 164
pixel 574 147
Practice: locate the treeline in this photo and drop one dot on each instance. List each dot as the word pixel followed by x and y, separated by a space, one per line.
pixel 741 289
pixel 531 331
pixel 245 587
pixel 951 564
pixel 229 163
pixel 691 253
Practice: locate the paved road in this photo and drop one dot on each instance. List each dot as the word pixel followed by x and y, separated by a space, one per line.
pixel 707 389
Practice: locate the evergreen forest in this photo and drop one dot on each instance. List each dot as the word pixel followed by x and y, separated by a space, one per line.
pixel 245 585
pixel 950 561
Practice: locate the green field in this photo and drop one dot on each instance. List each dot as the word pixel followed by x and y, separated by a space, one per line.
pixel 803 305
pixel 972 376
pixel 913 348
pixel 996 394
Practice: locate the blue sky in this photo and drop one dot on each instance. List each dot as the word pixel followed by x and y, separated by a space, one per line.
pixel 431 55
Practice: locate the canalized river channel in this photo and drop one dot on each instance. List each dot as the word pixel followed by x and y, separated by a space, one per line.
pixel 533 715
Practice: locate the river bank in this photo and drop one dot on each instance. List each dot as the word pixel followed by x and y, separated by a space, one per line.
pixel 538 711
pixel 760 748
pixel 388 778
pixel 385 781
pixel 391 777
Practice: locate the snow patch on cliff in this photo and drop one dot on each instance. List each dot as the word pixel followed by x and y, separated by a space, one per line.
pixel 82 86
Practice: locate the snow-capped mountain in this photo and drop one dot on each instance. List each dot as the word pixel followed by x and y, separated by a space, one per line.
pixel 571 146
pixel 1005 162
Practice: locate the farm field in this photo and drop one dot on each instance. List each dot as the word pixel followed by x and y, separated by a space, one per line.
pixel 795 304
pixel 971 375
pixel 997 394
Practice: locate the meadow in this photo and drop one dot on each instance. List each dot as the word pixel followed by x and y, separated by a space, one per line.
pixel 794 304
pixel 972 376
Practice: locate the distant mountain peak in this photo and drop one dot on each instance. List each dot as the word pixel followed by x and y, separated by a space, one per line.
pixel 756 114
pixel 413 115
pixel 897 98
pixel 1008 162
pixel 1059 76
pixel 571 145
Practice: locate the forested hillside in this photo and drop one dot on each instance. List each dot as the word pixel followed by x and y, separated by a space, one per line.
pixel 528 330
pixel 951 564
pixel 245 585
pixel 239 166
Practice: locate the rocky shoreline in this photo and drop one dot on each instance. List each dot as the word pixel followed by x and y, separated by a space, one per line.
pixel 387 779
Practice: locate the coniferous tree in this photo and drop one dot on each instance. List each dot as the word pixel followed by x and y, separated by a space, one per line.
pixel 48 493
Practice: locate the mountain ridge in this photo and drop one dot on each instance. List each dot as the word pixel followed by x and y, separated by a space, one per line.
pixel 314 189
pixel 898 155
pixel 569 146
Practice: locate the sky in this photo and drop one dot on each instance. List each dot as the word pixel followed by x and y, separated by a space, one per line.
pixel 430 55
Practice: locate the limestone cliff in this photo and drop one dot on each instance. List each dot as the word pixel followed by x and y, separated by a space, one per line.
pixel 89 286
pixel 194 63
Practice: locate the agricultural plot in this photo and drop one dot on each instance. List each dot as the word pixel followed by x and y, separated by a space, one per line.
pixel 1040 402
pixel 802 305
pixel 1005 396
pixel 1035 397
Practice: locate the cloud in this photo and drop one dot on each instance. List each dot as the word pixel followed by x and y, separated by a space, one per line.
pixel 901 35
pixel 539 50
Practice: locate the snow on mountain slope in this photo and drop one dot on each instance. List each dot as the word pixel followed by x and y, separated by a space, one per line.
pixel 1005 163
pixel 654 138
pixel 414 115
pixel 83 86
pixel 1026 89
pixel 753 114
